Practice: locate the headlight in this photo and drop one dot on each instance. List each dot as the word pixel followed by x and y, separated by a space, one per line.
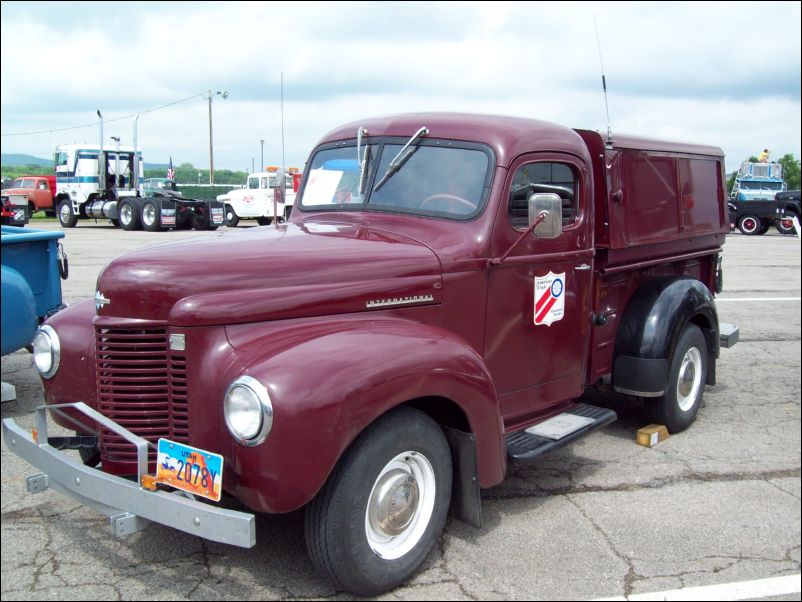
pixel 248 411
pixel 46 351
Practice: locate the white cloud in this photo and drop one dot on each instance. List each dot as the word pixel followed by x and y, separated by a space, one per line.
pixel 726 74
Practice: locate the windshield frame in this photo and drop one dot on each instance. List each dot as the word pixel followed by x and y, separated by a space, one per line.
pixel 377 151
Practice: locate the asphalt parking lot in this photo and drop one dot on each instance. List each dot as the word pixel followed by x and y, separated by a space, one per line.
pixel 718 504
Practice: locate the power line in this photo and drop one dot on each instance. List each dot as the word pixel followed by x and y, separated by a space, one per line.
pixel 94 124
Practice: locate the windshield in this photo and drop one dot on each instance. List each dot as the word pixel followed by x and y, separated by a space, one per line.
pixel 434 179
pixel 760 185
pixel 23 183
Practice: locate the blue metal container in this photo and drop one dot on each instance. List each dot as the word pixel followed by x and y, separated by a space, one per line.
pixel 31 283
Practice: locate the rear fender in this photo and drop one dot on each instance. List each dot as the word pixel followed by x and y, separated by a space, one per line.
pixel 650 327
pixel 329 380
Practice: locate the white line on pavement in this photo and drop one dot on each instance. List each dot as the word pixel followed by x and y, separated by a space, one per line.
pixel 743 590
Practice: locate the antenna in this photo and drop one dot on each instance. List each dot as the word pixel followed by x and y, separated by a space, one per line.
pixel 609 142
pixel 283 165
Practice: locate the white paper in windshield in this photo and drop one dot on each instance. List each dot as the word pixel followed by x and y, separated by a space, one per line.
pixel 321 186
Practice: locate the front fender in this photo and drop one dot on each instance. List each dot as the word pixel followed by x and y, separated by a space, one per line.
pixel 329 380
pixel 650 327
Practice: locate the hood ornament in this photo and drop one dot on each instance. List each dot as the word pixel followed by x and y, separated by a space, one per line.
pixel 100 300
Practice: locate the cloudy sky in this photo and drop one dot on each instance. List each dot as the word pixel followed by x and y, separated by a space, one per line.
pixel 721 73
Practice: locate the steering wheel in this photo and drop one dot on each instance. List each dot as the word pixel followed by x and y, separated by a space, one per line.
pixel 448 197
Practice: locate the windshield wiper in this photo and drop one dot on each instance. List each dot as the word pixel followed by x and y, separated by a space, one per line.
pixel 401 158
pixel 363 159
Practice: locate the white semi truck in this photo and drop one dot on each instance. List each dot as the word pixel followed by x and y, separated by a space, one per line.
pixel 107 184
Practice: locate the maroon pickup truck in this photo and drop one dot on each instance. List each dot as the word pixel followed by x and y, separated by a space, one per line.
pixel 446 289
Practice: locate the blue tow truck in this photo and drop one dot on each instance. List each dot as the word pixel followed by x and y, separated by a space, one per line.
pixel 752 204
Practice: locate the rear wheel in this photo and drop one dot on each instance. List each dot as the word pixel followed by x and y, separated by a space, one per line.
pixel 782 228
pixel 199 220
pixel 749 225
pixel 151 220
pixel 686 382
pixel 129 216
pixel 381 511
pixel 66 216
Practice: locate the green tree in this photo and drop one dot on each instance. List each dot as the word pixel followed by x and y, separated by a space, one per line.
pixel 791 170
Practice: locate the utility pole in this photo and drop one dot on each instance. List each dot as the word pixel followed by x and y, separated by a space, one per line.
pixel 211 147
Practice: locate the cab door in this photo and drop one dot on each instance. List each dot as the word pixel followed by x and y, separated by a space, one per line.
pixel 539 298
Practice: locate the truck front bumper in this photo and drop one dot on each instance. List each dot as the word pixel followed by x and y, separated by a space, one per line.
pixel 129 506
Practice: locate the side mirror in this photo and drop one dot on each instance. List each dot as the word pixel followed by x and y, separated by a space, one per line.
pixel 279 181
pixel 552 206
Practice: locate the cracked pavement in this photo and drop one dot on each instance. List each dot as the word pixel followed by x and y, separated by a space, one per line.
pixel 718 503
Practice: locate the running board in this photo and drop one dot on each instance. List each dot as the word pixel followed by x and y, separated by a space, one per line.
pixel 557 432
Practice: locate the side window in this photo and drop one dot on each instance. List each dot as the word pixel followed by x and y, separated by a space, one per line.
pixel 532 178
pixel 253 183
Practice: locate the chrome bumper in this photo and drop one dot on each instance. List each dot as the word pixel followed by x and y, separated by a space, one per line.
pixel 129 506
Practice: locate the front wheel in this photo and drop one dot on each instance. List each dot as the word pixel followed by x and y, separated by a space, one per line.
pixel 232 219
pixel 384 506
pixel 686 381
pixel 66 216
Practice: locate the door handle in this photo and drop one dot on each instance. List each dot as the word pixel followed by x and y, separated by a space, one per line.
pixel 582 267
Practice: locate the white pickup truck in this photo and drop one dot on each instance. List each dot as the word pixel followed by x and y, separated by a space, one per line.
pixel 256 199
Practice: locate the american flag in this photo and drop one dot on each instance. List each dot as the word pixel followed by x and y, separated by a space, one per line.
pixel 170 170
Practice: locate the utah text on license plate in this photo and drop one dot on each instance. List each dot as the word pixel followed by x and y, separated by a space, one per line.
pixel 190 469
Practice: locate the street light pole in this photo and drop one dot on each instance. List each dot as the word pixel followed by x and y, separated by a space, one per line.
pixel 211 151
pixel 262 164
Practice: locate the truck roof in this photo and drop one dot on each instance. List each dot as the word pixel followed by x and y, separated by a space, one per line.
pixel 96 147
pixel 508 136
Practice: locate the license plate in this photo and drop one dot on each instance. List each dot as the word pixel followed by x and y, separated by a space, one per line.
pixel 190 469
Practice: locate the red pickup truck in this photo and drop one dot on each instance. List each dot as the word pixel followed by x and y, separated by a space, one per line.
pixel 34 192
pixel 447 288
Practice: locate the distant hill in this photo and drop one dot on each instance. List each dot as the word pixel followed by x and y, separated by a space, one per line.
pixel 17 160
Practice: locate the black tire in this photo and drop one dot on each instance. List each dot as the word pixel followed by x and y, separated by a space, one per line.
pixel 232 219
pixel 764 226
pixel 66 216
pixel 404 451
pixel 749 225
pixel 782 229
pixel 199 220
pixel 264 221
pixel 128 216
pixel 151 216
pixel 686 381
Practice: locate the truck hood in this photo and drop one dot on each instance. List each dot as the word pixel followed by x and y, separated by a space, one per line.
pixel 270 273
pixel 17 191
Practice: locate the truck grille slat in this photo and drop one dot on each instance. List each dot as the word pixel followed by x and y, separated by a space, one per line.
pixel 142 387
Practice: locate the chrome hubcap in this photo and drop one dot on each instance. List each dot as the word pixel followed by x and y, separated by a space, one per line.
pixel 127 214
pixel 149 215
pixel 394 503
pixel 690 379
pixel 400 506
pixel 65 212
